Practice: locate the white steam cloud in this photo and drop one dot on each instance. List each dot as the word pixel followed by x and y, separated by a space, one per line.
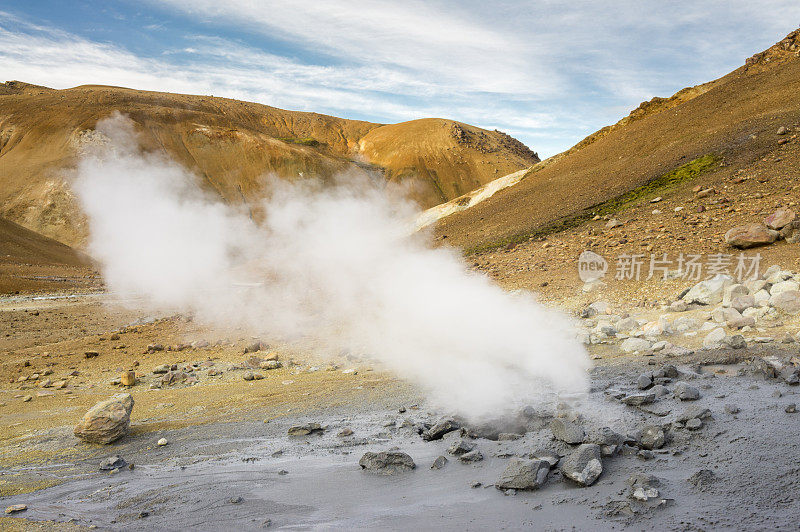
pixel 332 267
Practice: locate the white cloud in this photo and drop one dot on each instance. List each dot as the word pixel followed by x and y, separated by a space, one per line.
pixel 548 72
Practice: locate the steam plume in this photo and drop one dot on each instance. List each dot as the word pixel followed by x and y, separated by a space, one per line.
pixel 331 267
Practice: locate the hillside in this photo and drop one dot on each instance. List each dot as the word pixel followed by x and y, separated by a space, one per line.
pixel 725 125
pixel 231 144
pixel 30 262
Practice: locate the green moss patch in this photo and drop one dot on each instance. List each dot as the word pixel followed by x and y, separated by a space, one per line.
pixel 648 191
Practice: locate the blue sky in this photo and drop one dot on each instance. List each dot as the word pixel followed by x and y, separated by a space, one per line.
pixel 548 72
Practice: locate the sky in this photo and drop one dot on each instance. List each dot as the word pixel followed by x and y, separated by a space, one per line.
pixel 547 72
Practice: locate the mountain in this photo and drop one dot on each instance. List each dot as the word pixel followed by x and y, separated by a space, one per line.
pixel 230 144
pixel 665 144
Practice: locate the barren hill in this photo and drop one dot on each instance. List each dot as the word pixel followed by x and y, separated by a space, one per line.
pixel 231 144
pixel 665 143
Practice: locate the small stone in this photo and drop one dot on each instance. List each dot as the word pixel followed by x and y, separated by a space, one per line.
pixel 14 508
pixel 305 430
pixel 128 378
pixel 248 376
pixel 162 442
pixel 439 463
pixel 694 424
pixel 644 381
pixel 473 456
pixel 437 431
pixel 731 409
pixel 113 462
pixel 638 399
pixel 460 447
pixel 236 500
pixel 791 408
pixel 345 432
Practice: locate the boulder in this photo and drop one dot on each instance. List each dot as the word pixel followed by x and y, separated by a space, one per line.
pixel 522 474
pixel 644 381
pixel 787 302
pixel 710 291
pixel 387 462
pixel 733 291
pixel 780 218
pixel 784 286
pixel 750 235
pixel 567 431
pixel 584 465
pixel 685 392
pixel 714 338
pixel 631 345
pixel 651 437
pixel 742 303
pixel 107 421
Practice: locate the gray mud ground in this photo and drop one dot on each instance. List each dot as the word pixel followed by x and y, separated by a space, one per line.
pixel 229 476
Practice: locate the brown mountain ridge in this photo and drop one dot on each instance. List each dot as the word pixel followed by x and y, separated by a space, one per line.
pixel 230 144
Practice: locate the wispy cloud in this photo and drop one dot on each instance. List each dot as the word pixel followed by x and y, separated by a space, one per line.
pixel 548 72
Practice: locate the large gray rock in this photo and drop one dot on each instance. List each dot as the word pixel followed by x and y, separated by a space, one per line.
pixel 651 437
pixel 750 236
pixel 685 392
pixel 107 421
pixel 584 465
pixel 387 462
pixel 567 431
pixel 521 474
pixel 787 302
pixel 709 292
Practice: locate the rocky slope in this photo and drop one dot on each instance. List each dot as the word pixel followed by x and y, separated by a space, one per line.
pixel 230 144
pixel 726 126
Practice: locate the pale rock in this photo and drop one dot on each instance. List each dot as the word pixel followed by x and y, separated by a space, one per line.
pixel 107 421
pixel 787 302
pixel 709 292
pixel 783 286
pixel 714 338
pixel 732 292
pixel 632 345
